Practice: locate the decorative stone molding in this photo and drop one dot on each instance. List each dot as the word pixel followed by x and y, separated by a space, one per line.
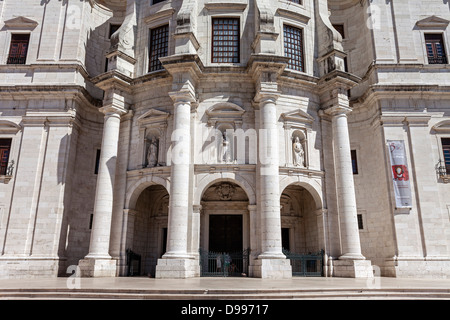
pixel 225 112
pixel 442 127
pixel 231 6
pixel 9 127
pixel 21 23
pixel 433 22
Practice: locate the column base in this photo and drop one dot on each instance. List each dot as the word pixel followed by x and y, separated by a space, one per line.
pixel 177 268
pixel 271 268
pixel 96 268
pixel 352 269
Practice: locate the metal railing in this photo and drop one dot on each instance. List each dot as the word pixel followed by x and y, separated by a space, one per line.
pixel 16 59
pixel 442 171
pixel 437 60
pixel 306 265
pixel 224 264
pixel 7 170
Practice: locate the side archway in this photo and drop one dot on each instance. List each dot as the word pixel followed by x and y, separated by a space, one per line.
pixel 135 189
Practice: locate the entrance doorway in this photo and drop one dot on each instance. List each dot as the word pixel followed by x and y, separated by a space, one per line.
pixel 224 235
pixel 302 240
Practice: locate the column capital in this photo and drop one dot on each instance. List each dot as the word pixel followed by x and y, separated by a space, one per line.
pixel 109 110
pixel 337 110
pixel 267 96
pixel 183 96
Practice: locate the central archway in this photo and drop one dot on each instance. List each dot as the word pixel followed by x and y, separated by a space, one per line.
pixel 225 218
pixel 225 229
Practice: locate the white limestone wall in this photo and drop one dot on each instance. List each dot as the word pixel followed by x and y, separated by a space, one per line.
pixel 372 188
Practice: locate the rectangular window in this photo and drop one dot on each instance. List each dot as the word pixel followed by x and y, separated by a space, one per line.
pixel 360 221
pixel 293 47
pixel 97 161
pixel 5 148
pixel 354 162
pixel 340 29
pixel 112 29
pixel 159 46
pixel 435 49
pixel 225 40
pixel 296 1
pixel 446 150
pixel 18 49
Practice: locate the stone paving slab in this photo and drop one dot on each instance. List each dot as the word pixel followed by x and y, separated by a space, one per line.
pixel 145 283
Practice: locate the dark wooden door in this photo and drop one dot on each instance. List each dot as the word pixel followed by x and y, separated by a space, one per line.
pixel 225 233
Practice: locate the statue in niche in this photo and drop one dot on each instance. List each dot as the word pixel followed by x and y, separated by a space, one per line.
pixel 299 153
pixel 226 152
pixel 152 153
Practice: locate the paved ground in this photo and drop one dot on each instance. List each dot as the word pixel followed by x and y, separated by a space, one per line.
pixel 201 284
pixel 222 298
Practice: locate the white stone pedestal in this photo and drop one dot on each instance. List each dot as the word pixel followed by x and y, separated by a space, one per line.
pixel 352 268
pixel 90 267
pixel 177 268
pixel 271 268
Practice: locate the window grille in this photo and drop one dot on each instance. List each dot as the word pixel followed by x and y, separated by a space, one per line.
pixel 446 151
pixel 293 47
pixel 225 40
pixel 435 49
pixel 159 46
pixel 18 49
pixel 5 147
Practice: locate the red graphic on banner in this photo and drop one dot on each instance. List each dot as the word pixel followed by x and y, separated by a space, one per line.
pixel 400 173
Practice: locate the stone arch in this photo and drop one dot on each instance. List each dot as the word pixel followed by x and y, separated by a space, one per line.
pixel 135 189
pixel 302 215
pixel 211 179
pixel 311 185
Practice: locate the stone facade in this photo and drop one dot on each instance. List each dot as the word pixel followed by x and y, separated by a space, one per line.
pixel 105 155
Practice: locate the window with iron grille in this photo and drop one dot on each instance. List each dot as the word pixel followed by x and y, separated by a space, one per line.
pixel 159 46
pixel 446 150
pixel 293 47
pixel 18 49
pixel 225 40
pixel 5 147
pixel 435 49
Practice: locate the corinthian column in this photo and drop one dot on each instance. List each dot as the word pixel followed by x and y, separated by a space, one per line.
pixel 98 262
pixel 179 184
pixel 345 187
pixel 177 262
pixel 271 262
pixel 269 175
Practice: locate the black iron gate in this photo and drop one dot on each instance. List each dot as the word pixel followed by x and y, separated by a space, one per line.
pixel 224 264
pixel 306 265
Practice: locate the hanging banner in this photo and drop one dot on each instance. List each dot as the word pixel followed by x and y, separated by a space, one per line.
pixel 400 173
